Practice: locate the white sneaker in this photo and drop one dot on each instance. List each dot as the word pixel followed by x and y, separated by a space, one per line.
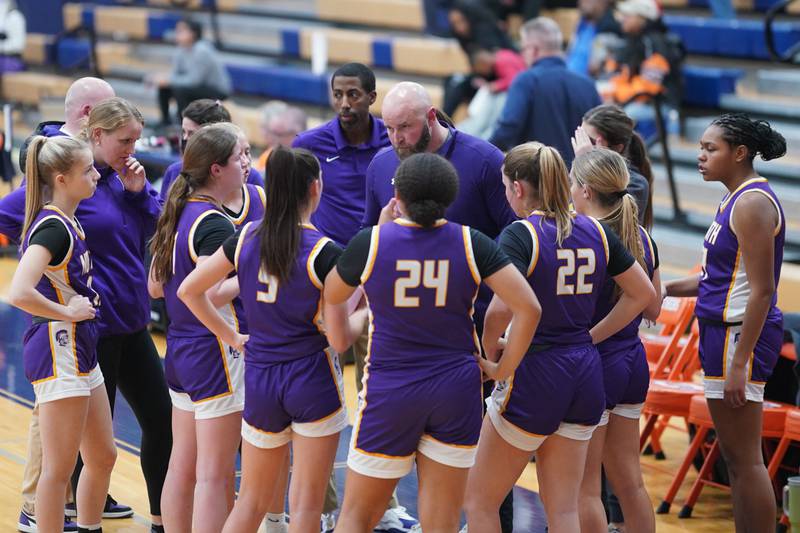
pixel 463 529
pixel 327 523
pixel 397 520
pixel 275 527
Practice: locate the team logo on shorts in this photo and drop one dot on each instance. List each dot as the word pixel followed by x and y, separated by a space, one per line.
pixel 62 337
pixel 234 352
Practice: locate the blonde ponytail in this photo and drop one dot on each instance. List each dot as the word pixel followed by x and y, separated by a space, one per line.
pixel 545 171
pixel 47 157
pixel 606 174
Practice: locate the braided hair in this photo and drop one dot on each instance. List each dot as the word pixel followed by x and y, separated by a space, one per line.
pixel 738 129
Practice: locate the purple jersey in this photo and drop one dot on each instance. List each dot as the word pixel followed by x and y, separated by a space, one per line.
pixel 724 288
pixel 629 335
pixel 567 279
pixel 183 323
pixel 73 276
pixel 288 314
pixel 252 211
pixel 421 284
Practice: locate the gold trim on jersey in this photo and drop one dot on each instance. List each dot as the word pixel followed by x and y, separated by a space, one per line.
pixel 372 255
pixel 402 221
pixel 535 242
pixel 724 203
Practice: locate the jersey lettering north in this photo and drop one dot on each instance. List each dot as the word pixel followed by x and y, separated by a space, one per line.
pixel 724 287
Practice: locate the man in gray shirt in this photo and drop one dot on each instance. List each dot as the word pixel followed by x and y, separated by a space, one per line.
pixel 197 71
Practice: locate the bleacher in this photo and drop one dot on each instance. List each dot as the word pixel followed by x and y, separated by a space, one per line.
pixel 267 47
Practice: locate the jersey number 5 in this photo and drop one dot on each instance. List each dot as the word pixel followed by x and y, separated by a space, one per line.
pixel 576 284
pixel 268 296
pixel 433 275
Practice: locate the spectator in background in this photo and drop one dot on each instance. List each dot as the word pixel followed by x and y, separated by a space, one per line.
pixel 546 102
pixel 501 66
pixel 586 53
pixel 280 124
pixel 197 71
pixel 12 37
pixel 647 64
pixel 475 27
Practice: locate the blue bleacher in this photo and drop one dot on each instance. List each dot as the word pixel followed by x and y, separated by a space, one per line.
pixel 730 38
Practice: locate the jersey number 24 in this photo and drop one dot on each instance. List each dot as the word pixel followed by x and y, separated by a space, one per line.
pixel 432 274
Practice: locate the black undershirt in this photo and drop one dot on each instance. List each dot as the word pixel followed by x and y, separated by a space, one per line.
pixel 489 258
pixel 517 243
pixel 211 233
pixel 323 263
pixel 55 237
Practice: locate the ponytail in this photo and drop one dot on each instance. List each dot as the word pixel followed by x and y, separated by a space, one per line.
pixel 164 238
pixel 617 129
pixel 291 172
pixel 544 170
pixel 212 144
pixel 554 191
pixel 34 184
pixel 606 174
pixel 46 158
pixel 637 155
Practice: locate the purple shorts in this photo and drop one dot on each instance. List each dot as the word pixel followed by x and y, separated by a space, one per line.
pixel 626 378
pixel 717 348
pixel 60 359
pixel 304 396
pixel 556 390
pixel 438 415
pixel 204 376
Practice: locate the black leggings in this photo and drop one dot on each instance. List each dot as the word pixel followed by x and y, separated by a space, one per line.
pixel 131 363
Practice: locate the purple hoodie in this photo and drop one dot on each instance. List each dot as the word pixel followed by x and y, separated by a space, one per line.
pixel 118 225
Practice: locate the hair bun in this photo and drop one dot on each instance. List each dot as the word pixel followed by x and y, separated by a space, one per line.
pixel 773 144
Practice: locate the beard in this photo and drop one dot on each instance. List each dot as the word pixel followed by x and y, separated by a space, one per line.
pixel 419 147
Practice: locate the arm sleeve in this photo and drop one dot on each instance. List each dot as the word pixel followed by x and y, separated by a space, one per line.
pixel 326 259
pixel 211 233
pixel 619 258
pixel 54 236
pixel 372 209
pixel 12 214
pixel 354 258
pixel 517 244
pixel 229 246
pixel 512 118
pixel 489 258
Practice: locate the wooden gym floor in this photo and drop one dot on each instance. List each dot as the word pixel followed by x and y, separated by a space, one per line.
pixel 712 513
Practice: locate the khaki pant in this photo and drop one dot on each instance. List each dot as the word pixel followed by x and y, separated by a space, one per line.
pixel 33 466
pixel 359 354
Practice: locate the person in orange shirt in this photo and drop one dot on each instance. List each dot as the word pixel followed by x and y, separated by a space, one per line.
pixel 647 64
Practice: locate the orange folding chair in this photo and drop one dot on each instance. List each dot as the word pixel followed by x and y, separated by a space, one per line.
pixel 674 317
pixel 673 401
pixel 773 424
pixel 665 399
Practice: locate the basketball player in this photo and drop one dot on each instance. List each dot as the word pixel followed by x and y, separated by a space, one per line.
pixel 421 398
pixel 555 398
pixel 741 327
